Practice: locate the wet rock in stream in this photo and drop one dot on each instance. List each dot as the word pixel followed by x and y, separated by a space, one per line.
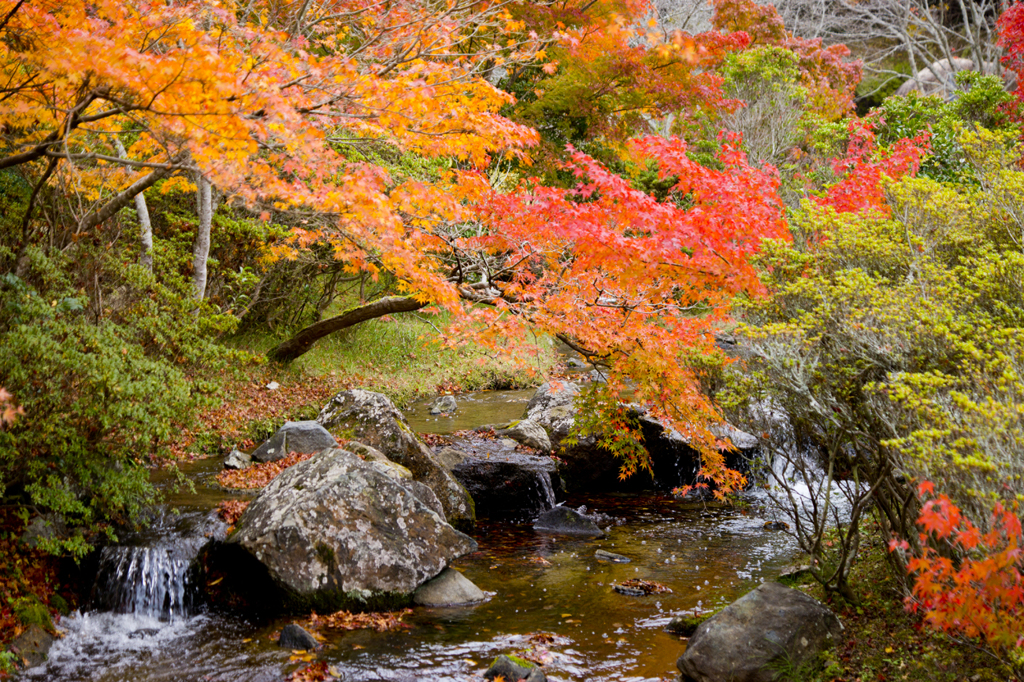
pixel 506 485
pixel 337 531
pixel 296 637
pixel 588 466
pixel 451 588
pixel 371 418
pixel 612 557
pixel 511 668
pixel 566 521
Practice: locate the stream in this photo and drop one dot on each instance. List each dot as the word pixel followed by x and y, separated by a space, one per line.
pixel 144 629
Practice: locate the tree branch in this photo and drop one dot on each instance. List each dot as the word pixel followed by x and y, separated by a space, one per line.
pixel 304 340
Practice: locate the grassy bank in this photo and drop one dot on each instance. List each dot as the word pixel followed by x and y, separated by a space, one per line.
pixel 392 355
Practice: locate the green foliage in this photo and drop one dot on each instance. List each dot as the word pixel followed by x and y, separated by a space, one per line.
pixel 101 396
pixel 8 662
pixel 892 344
pixel 980 101
pixel 30 611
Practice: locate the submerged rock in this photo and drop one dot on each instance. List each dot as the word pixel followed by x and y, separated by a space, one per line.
pixel 612 557
pixel 513 669
pixel 450 588
pixel 336 530
pixel 509 485
pixel 747 640
pixel 373 420
pixel 565 521
pixel 304 436
pixel 296 637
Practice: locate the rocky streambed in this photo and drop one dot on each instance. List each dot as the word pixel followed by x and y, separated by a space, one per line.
pixel 548 597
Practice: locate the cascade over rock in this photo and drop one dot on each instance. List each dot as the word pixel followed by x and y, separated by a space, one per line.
pixel 337 530
pixel 373 420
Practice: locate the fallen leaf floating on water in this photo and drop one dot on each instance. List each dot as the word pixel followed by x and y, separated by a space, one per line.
pixel 315 672
pixel 344 620
pixel 539 560
pixel 635 587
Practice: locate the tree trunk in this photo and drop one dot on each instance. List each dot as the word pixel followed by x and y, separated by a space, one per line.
pixel 121 199
pixel 304 340
pixel 201 249
pixel 145 226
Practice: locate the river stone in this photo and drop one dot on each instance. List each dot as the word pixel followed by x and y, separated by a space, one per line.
pixel 553 408
pixel 513 669
pixel 614 558
pixel 444 404
pixel 450 588
pixel 528 432
pixel 304 436
pixel 296 637
pixel 33 645
pixel 451 458
pixel 508 484
pixel 372 419
pixel 747 640
pixel 566 521
pixel 237 459
pixel 336 528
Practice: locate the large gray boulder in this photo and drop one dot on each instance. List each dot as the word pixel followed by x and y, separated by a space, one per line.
pixel 751 638
pixel 372 419
pixel 304 436
pixel 336 530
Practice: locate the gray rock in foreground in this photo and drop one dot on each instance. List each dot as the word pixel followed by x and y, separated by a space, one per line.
pixel 336 529
pixel 451 588
pixel 565 521
pixel 748 640
pixel 373 420
pixel 305 436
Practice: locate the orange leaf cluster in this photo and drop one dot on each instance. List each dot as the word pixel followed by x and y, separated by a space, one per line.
pixel 259 475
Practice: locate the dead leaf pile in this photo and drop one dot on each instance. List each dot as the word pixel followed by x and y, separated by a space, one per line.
pixel 259 475
pixel 636 587
pixel 345 620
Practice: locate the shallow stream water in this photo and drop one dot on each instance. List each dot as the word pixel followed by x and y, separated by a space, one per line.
pixel 537 584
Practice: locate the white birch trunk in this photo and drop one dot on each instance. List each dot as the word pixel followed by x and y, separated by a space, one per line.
pixel 145 226
pixel 201 249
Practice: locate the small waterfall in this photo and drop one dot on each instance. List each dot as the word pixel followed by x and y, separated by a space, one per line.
pixel 146 581
pixel 151 577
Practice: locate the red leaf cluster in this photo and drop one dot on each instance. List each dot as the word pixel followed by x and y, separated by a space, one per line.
pixel 966 581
